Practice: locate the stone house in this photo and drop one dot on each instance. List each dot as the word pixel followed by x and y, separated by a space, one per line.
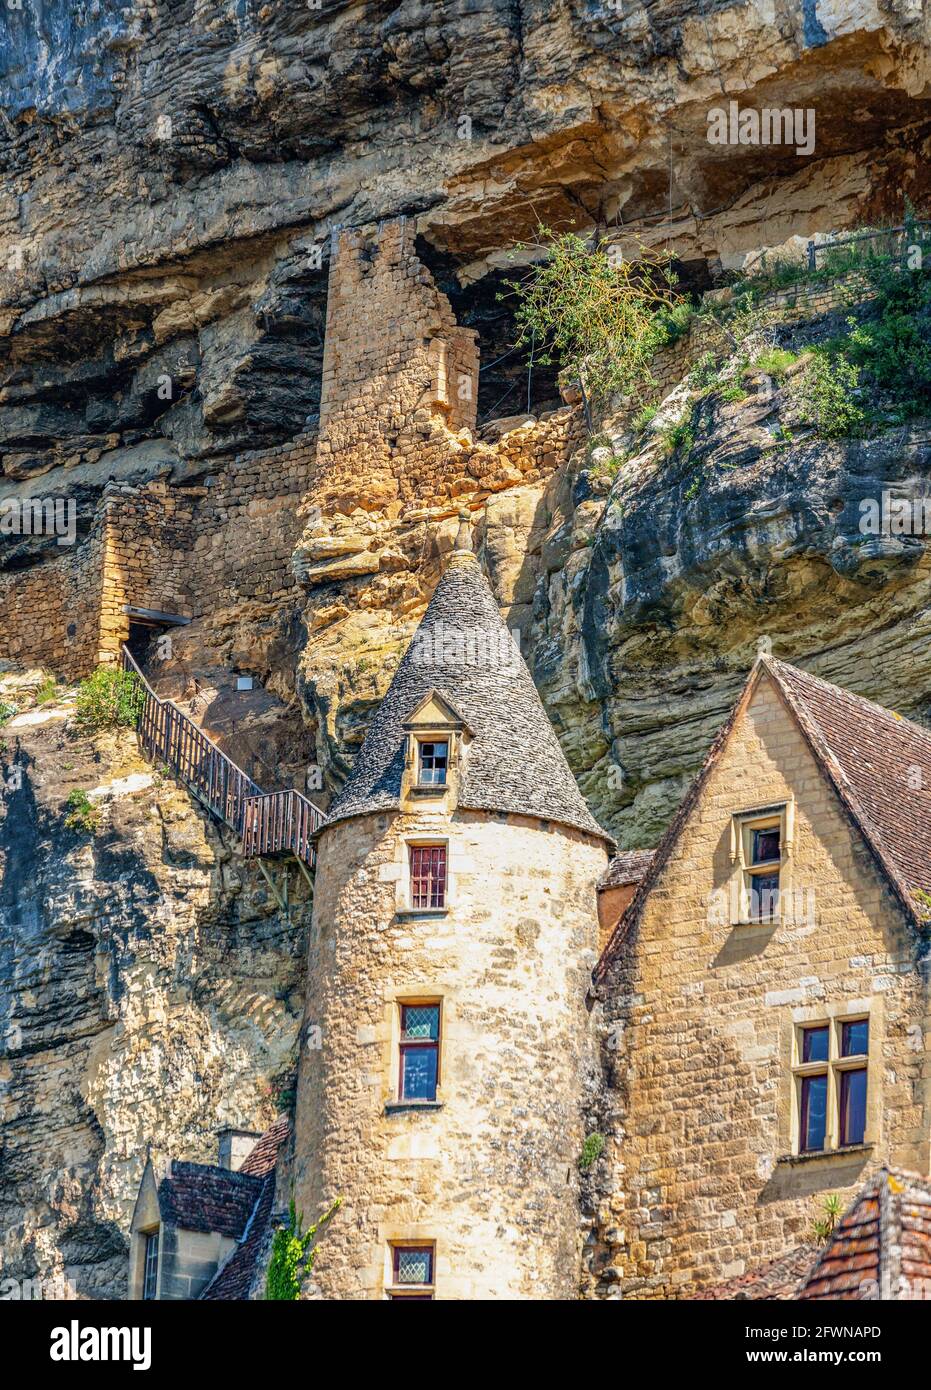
pixel 198 1229
pixel 765 991
pixel 762 996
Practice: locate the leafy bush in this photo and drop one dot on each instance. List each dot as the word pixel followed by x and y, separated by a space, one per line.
pixel 47 691
pixel 293 1254
pixel 825 397
pixel 893 344
pixel 109 699
pixel 705 372
pixel 680 436
pixel 592 1150
pixel 7 711
pixel 602 318
pixel 81 815
pixel 644 417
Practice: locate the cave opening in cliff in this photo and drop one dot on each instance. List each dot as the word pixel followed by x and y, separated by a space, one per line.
pixel 513 381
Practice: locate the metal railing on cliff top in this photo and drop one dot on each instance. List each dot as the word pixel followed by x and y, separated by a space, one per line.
pixel 268 823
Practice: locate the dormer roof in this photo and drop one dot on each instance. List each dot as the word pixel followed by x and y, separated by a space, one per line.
pixel 435 710
pixel 463 651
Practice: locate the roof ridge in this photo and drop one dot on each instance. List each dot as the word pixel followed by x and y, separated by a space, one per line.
pixel 782 673
pixel 825 755
pixel 851 695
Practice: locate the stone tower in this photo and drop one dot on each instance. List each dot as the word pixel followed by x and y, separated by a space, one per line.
pixel 447 1039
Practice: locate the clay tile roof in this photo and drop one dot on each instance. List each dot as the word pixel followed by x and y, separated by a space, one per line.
pixel 263 1155
pixel 878 763
pixel 881 1248
pixel 627 867
pixel 881 761
pixel 463 650
pixel 200 1197
pixel 233 1280
pixel 777 1280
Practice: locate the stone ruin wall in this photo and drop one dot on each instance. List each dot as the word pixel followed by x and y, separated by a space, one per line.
pixel 396 444
pixel 398 436
pixel 187 550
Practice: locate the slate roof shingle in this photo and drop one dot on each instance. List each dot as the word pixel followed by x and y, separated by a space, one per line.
pixel 869 755
pixel 201 1197
pixel 463 650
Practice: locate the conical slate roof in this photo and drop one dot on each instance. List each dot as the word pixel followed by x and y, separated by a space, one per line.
pixel 463 650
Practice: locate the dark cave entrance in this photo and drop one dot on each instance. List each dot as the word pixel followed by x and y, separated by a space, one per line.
pixel 510 383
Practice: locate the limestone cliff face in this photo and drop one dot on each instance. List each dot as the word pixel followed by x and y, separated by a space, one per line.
pixel 152 993
pixel 171 172
pixel 172 176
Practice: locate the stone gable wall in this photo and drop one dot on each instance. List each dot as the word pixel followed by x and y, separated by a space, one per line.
pixel 696 1186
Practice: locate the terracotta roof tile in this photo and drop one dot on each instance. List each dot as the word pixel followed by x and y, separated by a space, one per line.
pixel 627 867
pixel 882 1245
pixel 777 1280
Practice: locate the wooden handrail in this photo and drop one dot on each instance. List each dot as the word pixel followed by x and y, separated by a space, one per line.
pixel 267 822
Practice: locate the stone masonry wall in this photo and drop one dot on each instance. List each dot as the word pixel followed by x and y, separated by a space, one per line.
pixel 491 1175
pixel 187 550
pixel 699 1182
pixel 50 614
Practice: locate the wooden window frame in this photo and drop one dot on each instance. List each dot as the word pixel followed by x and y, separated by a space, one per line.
pixel 150 1238
pixel 420 847
pixel 420 743
pixel 835 1067
pixel 397 1290
pixel 752 872
pixel 431 1003
pixel 778 816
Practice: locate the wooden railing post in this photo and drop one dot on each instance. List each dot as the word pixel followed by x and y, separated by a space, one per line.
pixel 267 823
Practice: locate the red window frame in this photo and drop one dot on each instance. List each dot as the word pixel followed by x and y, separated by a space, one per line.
pixel 420 1044
pixel 422 1292
pixel 428 877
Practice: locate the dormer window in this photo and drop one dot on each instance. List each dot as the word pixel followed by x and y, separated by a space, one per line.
pixel 762 874
pixel 432 763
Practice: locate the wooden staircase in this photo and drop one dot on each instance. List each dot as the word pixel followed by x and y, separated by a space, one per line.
pixel 268 824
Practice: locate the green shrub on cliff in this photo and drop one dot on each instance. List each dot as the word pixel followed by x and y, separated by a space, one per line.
pixel 826 397
pixel 602 316
pixel 81 815
pixel 109 699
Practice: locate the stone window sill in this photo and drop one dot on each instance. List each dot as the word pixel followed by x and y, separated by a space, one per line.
pixel 438 790
pixel 398 1107
pixel 411 914
pixel 825 1155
